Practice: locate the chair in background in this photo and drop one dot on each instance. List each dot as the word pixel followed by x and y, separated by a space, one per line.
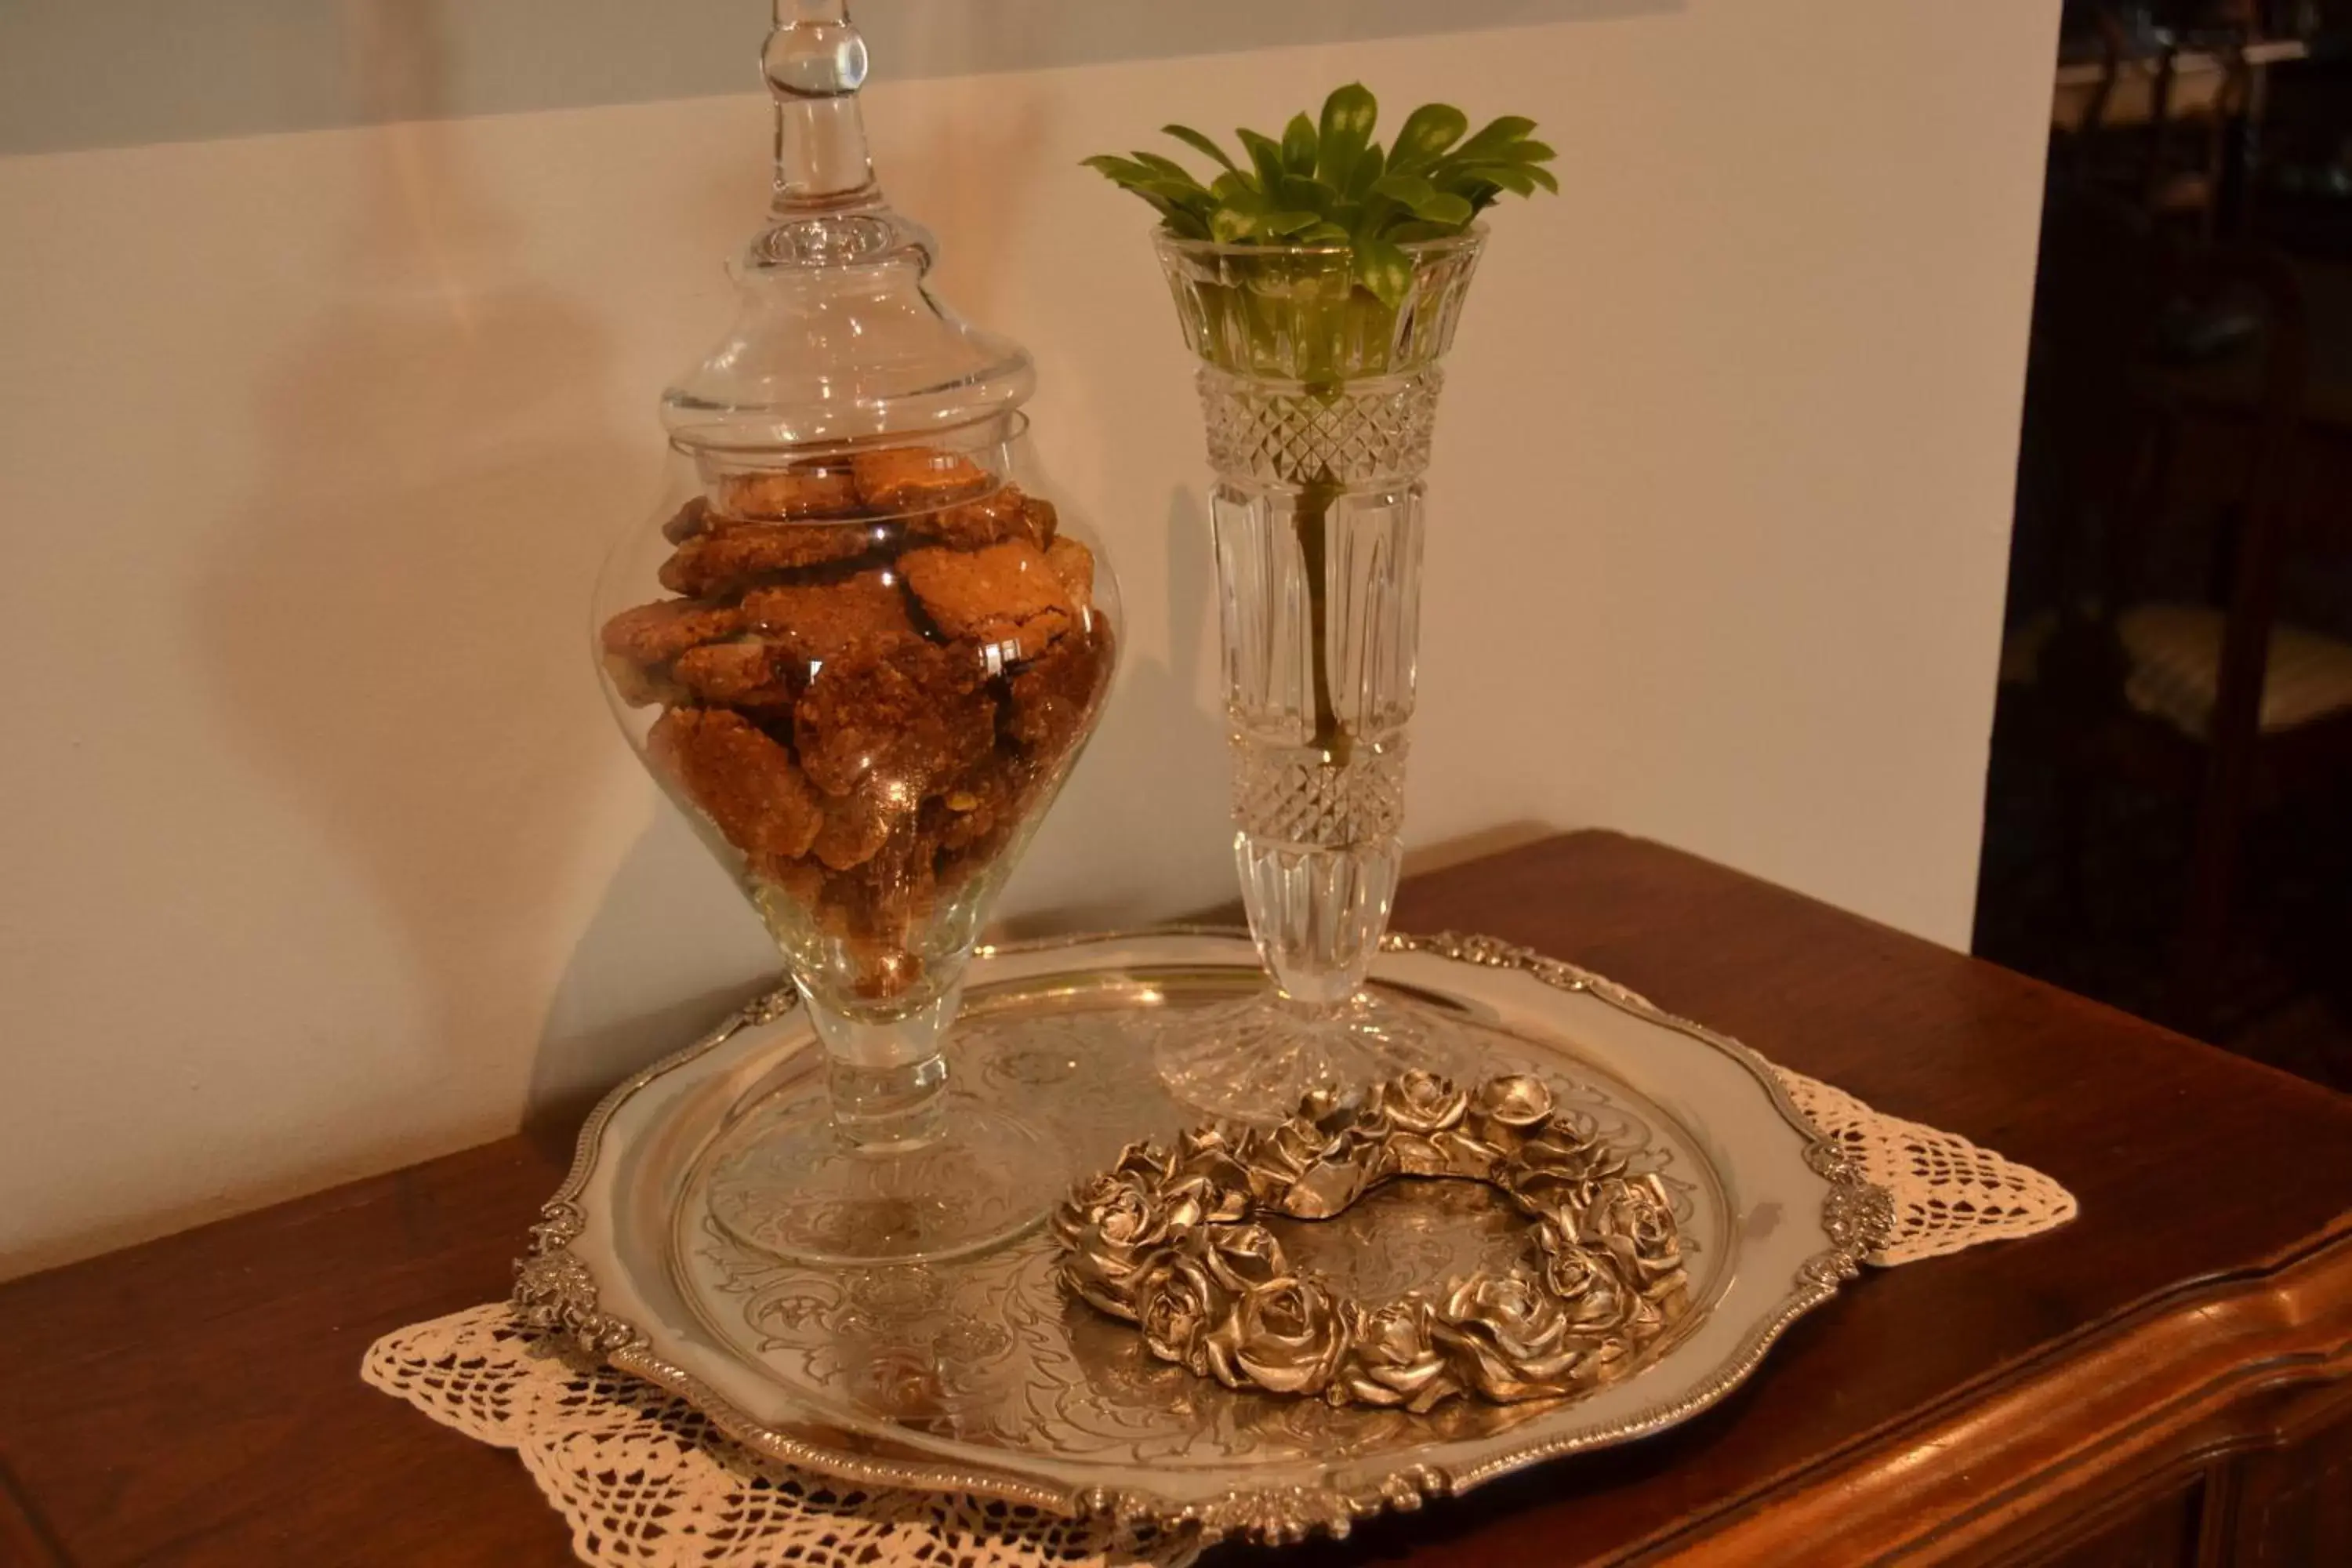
pixel 2167 120
pixel 2202 694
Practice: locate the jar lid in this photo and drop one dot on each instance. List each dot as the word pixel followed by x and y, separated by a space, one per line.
pixel 836 338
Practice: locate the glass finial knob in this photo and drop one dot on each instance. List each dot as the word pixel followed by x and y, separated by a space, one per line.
pixel 814 51
pixel 815 62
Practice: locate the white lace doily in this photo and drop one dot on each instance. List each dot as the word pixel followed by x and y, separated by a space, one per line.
pixel 646 1481
pixel 1949 1193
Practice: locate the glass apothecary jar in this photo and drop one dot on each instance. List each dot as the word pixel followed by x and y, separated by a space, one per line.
pixel 861 652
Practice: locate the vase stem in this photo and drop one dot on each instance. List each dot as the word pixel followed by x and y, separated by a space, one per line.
pixel 1317 914
pixel 886 1076
pixel 1312 526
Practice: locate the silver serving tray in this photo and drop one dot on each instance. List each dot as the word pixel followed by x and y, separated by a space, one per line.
pixel 979 1376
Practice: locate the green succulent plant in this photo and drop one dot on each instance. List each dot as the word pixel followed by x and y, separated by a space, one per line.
pixel 1325 182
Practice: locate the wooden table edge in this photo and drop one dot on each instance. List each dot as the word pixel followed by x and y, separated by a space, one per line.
pixel 2251 1360
pixel 2158 1388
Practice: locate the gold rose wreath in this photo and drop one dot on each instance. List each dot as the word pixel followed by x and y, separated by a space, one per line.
pixel 1168 1239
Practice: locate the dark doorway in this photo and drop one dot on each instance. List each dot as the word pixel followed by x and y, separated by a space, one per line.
pixel 2169 811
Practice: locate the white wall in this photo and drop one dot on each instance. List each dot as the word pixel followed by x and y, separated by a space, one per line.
pixel 320 853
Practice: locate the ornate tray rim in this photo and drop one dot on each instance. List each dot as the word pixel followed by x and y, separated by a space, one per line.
pixel 556 1289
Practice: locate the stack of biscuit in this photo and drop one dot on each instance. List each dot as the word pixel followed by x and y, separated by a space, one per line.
pixel 876 667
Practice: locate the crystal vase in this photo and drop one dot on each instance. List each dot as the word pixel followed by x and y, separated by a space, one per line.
pixel 1320 401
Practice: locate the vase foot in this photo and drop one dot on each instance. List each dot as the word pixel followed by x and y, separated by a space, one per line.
pixel 792 1186
pixel 1252 1060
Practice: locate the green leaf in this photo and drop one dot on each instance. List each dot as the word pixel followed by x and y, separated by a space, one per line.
pixel 1383 269
pixel 1406 190
pixel 1266 156
pixel 1531 152
pixel 1521 177
pixel 1237 187
pixel 1240 207
pixel 1183 208
pixel 1446 209
pixel 1510 176
pixel 1494 137
pixel 1348 116
pixel 1168 191
pixel 1368 169
pixel 1190 225
pixel 1299 143
pixel 1198 142
pixel 1325 232
pixel 1427 132
pixel 1423 200
pixel 1169 167
pixel 1125 171
pixel 1481 194
pixel 1304 192
pixel 1287 224
pixel 1141 177
pixel 1230 225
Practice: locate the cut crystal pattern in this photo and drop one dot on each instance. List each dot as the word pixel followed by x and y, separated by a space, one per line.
pixel 1366 433
pixel 1291 795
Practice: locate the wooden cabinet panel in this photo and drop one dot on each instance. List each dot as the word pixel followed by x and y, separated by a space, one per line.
pixel 2162 1534
pixel 2295 1506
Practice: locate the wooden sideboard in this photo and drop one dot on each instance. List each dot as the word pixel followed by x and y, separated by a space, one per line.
pixel 2167 1381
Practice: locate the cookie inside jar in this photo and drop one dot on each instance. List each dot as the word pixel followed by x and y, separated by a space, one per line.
pixel 870 671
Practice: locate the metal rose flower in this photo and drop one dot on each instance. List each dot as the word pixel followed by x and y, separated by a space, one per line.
pixel 1179 1302
pixel 1596 1299
pixel 1206 1174
pixel 1109 1230
pixel 1506 1336
pixel 1557 1170
pixel 1300 1168
pixel 1331 1188
pixel 1145 1159
pixel 1392 1358
pixel 1333 1111
pixel 1281 1154
pixel 1286 1336
pixel 1429 1132
pixel 1422 1103
pixel 1634 1220
pixel 1517 1101
pixel 1170 1239
pixel 1241 1257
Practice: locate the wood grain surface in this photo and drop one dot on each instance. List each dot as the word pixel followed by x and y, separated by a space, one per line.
pixel 2167 1380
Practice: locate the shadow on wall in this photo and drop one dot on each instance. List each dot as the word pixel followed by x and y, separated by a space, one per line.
pixel 1151 789
pixel 394 626
pixel 395 622
pixel 668 910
